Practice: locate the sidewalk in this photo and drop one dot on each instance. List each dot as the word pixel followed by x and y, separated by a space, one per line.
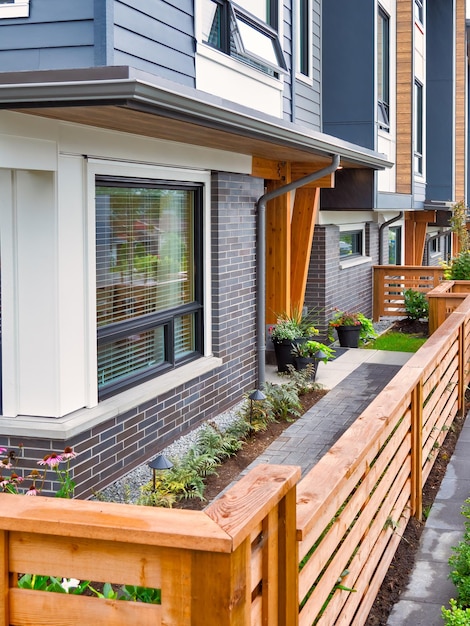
pixel 429 587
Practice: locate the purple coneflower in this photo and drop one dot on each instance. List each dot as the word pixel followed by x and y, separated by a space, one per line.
pixel 52 459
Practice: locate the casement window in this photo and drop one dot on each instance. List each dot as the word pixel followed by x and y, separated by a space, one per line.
pixel 304 37
pixel 418 128
pixel 14 8
pixel 148 279
pixel 247 33
pixel 350 243
pixel 383 70
pixel 419 13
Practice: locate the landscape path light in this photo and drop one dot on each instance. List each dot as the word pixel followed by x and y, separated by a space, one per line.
pixel 159 463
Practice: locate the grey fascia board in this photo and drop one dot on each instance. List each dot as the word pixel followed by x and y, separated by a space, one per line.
pixel 215 112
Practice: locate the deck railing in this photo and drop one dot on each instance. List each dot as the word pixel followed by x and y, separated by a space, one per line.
pixel 391 281
pixel 253 556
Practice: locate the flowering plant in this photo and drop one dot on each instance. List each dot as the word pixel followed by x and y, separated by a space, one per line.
pixel 352 318
pixel 60 463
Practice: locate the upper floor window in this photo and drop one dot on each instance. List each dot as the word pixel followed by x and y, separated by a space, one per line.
pixel 419 15
pixel 304 26
pixel 248 36
pixel 14 8
pixel 418 128
pixel 383 70
pixel 148 279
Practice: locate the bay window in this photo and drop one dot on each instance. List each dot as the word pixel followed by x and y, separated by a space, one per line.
pixel 148 279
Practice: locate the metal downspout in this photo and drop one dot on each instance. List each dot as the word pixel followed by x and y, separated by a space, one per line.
pixel 381 227
pixel 261 259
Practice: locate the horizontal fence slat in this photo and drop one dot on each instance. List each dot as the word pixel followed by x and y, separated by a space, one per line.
pixel 42 608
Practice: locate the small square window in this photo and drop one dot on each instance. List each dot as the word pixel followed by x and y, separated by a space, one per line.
pixel 350 243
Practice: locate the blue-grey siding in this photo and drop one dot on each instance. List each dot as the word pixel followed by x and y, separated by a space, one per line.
pixel 56 35
pixel 156 37
pixel 348 101
pixel 439 100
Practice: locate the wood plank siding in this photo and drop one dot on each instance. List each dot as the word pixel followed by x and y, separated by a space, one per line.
pixel 404 158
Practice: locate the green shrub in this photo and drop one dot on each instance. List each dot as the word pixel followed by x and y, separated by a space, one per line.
pixel 416 304
pixel 282 400
pixel 458 268
pixel 455 616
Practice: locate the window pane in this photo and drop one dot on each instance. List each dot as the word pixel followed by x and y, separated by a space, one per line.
pixel 383 65
pixel 350 243
pixel 212 24
pixel 256 43
pixel 185 336
pixel 304 37
pixel 143 240
pixel 130 355
pixel 145 272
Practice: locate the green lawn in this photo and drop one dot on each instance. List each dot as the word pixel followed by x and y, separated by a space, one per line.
pixel 396 342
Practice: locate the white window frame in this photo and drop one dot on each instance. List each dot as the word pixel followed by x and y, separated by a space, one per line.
pixel 98 167
pixel 358 259
pixel 307 77
pixel 17 8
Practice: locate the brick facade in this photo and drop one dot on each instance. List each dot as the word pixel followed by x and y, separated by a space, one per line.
pixel 329 285
pixel 113 448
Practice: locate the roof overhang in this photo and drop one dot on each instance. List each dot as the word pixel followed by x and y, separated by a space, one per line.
pixel 127 100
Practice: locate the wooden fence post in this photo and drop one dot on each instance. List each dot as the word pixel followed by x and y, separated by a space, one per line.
pixel 258 584
pixel 461 370
pixel 4 579
pixel 417 451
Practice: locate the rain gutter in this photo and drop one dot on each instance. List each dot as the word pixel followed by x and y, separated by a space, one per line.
pixel 261 258
pixel 139 91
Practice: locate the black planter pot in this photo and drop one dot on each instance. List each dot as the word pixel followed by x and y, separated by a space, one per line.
pixel 301 363
pixel 283 351
pixel 348 336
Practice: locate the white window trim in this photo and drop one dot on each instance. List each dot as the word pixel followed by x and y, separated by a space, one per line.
pixel 98 167
pixel 306 78
pixel 345 262
pixel 18 8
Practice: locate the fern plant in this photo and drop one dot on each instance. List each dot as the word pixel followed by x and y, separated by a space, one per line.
pixel 283 400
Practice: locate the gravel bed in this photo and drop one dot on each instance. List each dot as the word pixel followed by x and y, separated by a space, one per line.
pixel 127 488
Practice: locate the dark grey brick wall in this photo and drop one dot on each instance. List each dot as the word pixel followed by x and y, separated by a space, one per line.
pixel 111 449
pixel 328 285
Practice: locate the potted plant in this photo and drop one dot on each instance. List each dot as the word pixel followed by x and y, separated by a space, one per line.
pixel 351 328
pixel 287 332
pixel 311 352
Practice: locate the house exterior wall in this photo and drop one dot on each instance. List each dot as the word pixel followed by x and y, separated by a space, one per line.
pixel 336 284
pixel 115 445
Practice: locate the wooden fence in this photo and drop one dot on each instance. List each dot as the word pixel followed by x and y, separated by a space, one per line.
pixel 260 555
pixel 391 281
pixel 444 299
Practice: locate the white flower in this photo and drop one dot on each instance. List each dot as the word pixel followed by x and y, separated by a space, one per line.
pixel 69 583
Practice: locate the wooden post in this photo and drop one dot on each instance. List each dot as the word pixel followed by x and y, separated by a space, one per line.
pixel 461 370
pixel 417 451
pixel 4 579
pixel 259 514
